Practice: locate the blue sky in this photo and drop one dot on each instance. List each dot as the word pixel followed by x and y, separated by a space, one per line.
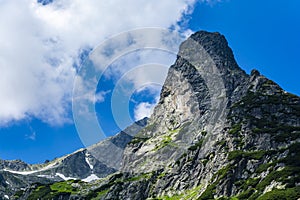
pixel 263 34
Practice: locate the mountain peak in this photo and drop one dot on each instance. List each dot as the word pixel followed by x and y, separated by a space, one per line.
pixel 216 45
pixel 216 133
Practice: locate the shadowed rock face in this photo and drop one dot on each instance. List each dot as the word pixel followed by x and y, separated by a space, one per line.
pixel 216 132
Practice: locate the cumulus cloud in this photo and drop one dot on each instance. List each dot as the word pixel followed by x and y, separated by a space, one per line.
pixel 145 108
pixel 40 44
pixel 142 110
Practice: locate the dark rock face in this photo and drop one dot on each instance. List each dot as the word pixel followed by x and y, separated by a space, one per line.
pixel 13 165
pixel 215 133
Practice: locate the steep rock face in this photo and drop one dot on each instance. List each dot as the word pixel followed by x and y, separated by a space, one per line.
pixel 215 133
pixel 194 98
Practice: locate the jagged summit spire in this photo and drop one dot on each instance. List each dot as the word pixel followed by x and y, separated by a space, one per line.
pixel 216 45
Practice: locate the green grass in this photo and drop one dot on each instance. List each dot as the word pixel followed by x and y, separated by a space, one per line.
pixel 246 194
pixel 137 140
pixel 238 154
pixel 236 128
pixel 139 177
pixel 167 140
pixel 101 194
pixel 187 194
pixel 286 194
pixel 293 158
pixel 63 187
pixel 284 176
pixel 286 136
pixel 211 189
pixel 53 190
pixel 221 143
pixel 196 146
pixel 264 167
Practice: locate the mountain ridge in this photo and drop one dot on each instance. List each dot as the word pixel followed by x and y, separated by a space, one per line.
pixel 88 166
pixel 216 133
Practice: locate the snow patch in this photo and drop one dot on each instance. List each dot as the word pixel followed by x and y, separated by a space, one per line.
pixel 91 178
pixel 45 176
pixel 50 166
pixel 88 162
pixel 6 196
pixel 7 182
pixel 64 178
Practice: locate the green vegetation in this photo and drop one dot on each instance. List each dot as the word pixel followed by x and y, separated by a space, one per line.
pixel 18 194
pixel 197 145
pixel 139 177
pixel 235 129
pixel 167 140
pixel 280 176
pixel 204 133
pixel 245 184
pixel 286 194
pixel 41 192
pixel 253 188
pixel 163 174
pixel 293 158
pixel 52 191
pixel 137 140
pixel 99 192
pixel 268 83
pixel 249 98
pixel 187 194
pixel 264 167
pixel 283 132
pixel 289 175
pixel 221 143
pixel 210 190
pixel 246 194
pixel 141 137
pixel 65 186
pixel 238 154
pixel 286 136
pixel 102 193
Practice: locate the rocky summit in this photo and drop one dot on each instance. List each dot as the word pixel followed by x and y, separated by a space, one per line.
pixel 216 133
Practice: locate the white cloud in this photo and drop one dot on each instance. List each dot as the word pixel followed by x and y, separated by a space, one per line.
pixel 143 110
pixel 39 45
pixel 31 136
pixel 100 96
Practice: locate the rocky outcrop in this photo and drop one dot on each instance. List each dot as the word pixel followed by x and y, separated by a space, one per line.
pixel 216 133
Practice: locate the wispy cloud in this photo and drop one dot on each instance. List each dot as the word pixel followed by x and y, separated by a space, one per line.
pixel 101 96
pixel 31 135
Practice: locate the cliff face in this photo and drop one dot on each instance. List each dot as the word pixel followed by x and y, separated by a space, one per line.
pixel 215 133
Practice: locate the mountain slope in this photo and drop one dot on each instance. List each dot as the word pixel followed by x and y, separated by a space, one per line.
pixel 215 133
pixel 85 164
